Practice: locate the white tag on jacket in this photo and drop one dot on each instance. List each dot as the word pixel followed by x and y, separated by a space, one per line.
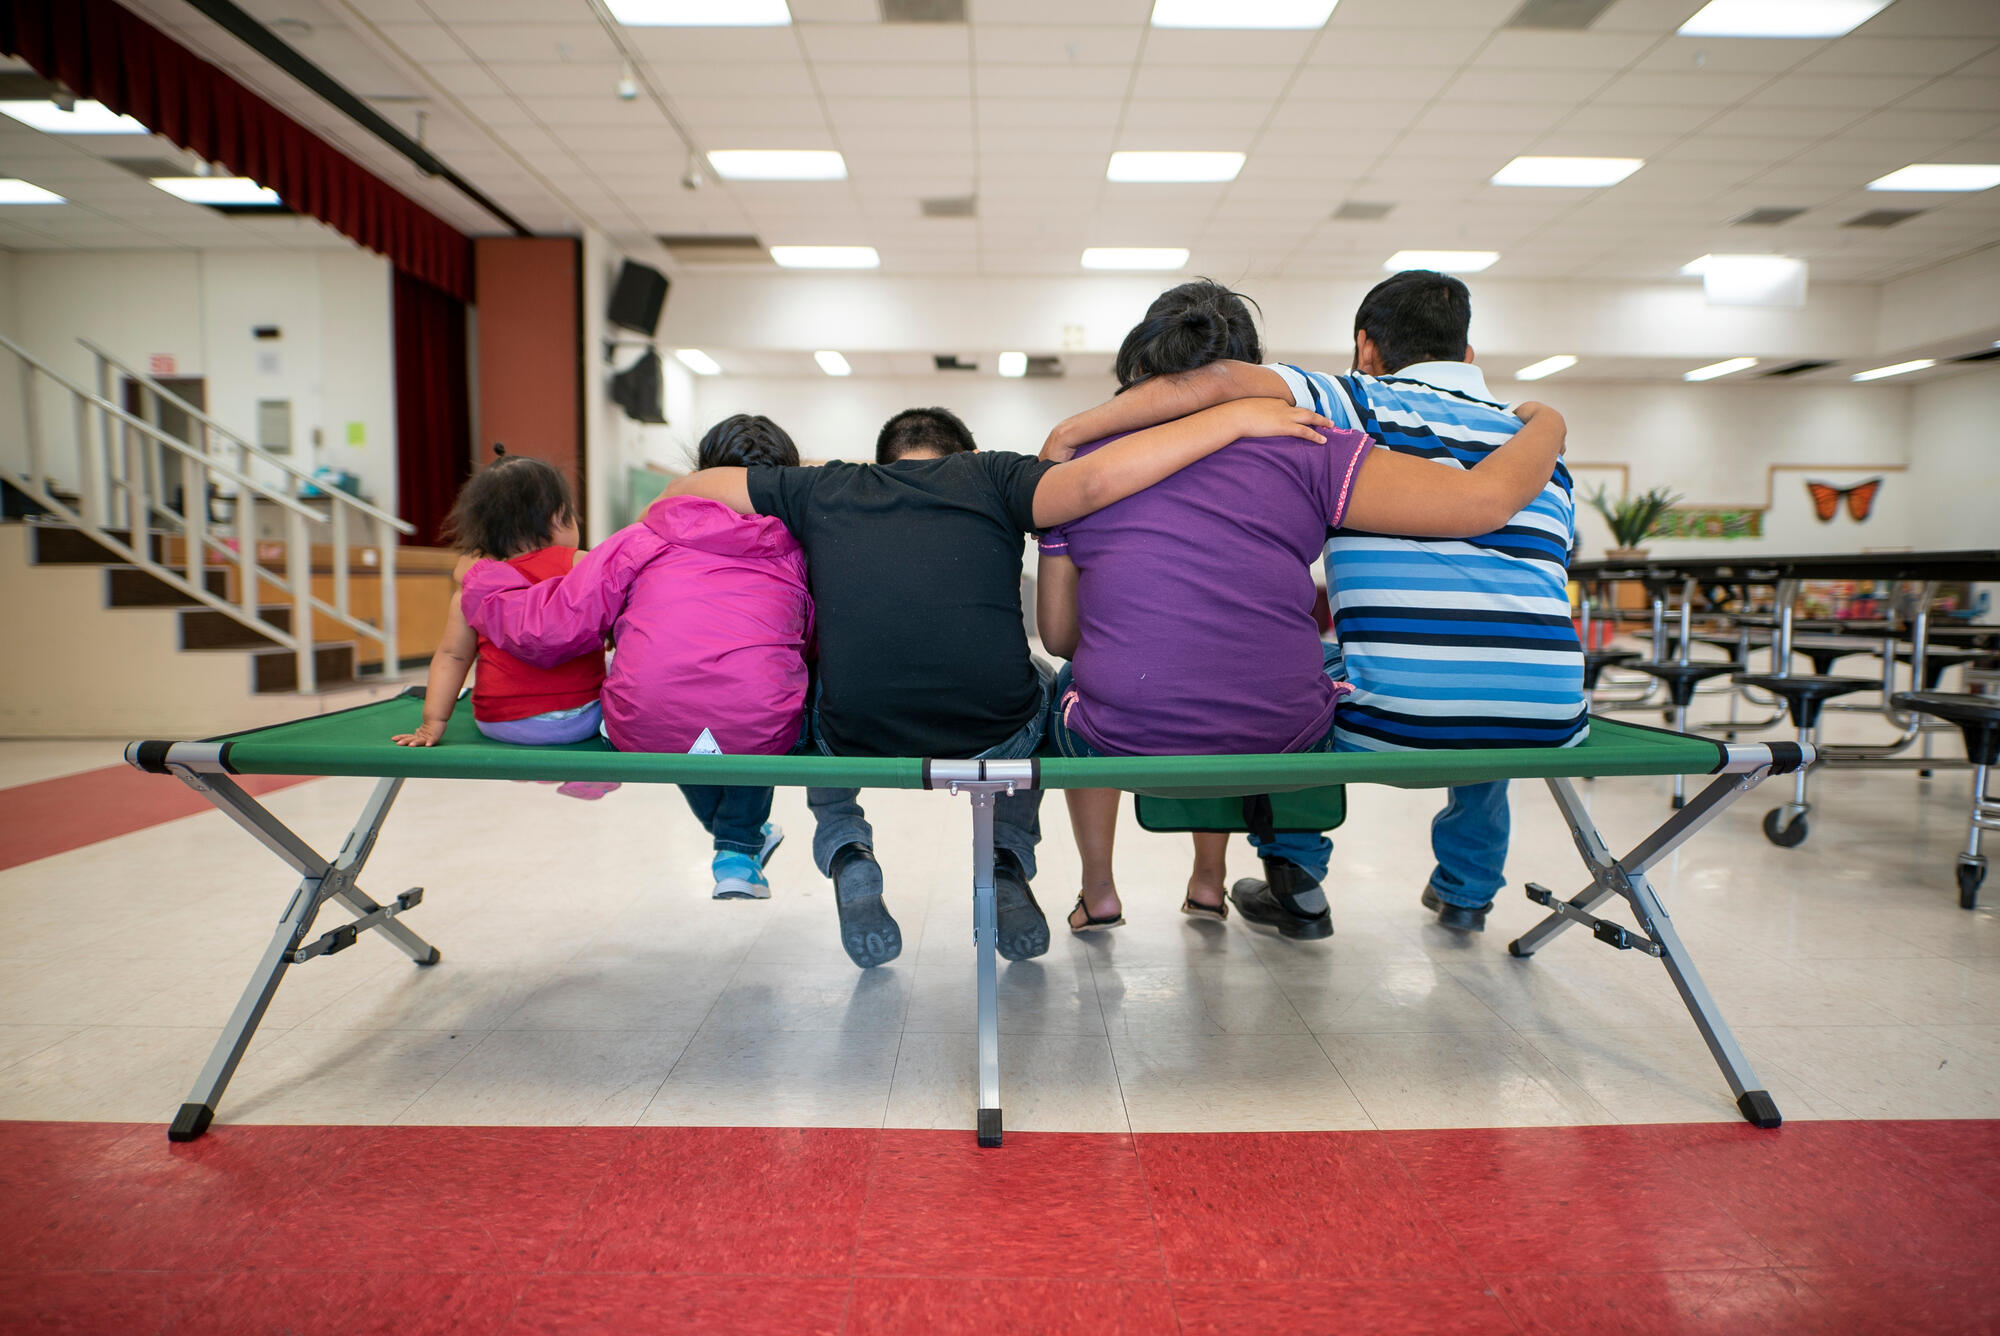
pixel 705 745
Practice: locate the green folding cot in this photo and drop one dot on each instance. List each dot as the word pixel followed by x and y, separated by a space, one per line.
pixel 356 743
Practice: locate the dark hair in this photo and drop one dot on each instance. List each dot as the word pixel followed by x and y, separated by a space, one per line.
pixel 1416 316
pixel 1186 327
pixel 745 439
pixel 509 507
pixel 916 429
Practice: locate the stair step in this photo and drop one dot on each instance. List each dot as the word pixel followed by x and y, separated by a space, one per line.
pixel 205 628
pixel 277 670
pixel 131 587
pixel 60 545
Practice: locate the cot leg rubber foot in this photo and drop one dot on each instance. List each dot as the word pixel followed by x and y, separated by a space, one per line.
pixel 1759 1108
pixel 989 1127
pixel 433 958
pixel 1514 949
pixel 190 1122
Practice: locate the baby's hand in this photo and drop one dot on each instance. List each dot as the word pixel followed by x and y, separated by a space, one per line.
pixel 1276 417
pixel 428 734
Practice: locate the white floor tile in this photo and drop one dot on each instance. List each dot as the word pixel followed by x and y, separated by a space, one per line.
pixel 1048 1083
pixel 794 1078
pixel 1232 1083
pixel 341 1076
pixel 1496 1079
pixel 551 1078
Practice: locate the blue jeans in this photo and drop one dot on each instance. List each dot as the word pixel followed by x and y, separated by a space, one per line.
pixel 1469 838
pixel 1017 817
pixel 733 815
pixel 1301 848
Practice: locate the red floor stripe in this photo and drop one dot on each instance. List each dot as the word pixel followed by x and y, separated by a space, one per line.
pixel 55 816
pixel 1818 1227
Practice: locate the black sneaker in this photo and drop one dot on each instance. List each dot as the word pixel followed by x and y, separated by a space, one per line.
pixel 1287 899
pixel 868 933
pixel 1024 932
pixel 1456 917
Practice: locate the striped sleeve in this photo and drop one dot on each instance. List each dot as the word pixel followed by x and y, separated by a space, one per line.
pixel 1321 393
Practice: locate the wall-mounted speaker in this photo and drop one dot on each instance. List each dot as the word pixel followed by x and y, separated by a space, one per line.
pixel 638 298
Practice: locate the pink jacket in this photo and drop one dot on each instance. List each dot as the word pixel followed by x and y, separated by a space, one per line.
pixel 709 615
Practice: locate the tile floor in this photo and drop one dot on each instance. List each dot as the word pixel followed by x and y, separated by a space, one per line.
pixel 588 980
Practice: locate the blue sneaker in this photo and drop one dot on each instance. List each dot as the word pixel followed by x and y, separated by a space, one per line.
pixel 738 877
pixel 773 837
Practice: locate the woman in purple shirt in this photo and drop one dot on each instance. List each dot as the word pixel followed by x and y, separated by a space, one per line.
pixel 1187 610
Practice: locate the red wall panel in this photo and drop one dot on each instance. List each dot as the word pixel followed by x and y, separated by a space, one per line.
pixel 528 295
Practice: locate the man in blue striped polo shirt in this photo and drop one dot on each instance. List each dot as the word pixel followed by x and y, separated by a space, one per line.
pixel 1448 643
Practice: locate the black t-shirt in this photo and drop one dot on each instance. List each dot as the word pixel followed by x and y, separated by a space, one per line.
pixel 915 570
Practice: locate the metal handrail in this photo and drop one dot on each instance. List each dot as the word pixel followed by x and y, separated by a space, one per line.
pixel 120 482
pixel 254 451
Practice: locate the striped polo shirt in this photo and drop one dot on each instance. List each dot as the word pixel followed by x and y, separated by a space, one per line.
pixel 1450 643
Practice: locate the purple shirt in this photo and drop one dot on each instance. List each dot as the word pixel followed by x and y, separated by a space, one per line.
pixel 1195 603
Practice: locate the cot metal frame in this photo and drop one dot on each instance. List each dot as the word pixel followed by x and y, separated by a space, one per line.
pixel 202 767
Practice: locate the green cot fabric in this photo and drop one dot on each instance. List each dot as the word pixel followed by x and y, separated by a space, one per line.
pixel 356 742
pixel 1613 748
pixel 1304 809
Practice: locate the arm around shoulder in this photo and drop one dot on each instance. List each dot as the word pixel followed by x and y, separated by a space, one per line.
pixel 1401 494
pixel 730 486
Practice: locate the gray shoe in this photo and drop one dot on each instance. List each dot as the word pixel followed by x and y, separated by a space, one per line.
pixel 867 932
pixel 1024 932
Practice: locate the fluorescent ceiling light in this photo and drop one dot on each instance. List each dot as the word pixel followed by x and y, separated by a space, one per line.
pixel 1575 173
pixel 826 257
pixel 1548 366
pixel 1941 176
pixel 1241 13
pixel 1781 18
pixel 1134 257
pixel 238 190
pixel 13 190
pixel 1444 262
pixel 1896 370
pixel 88 118
pixel 697 361
pixel 1013 364
pixel 1714 369
pixel 700 13
pixel 833 363
pixel 1750 280
pixel 1174 166
pixel 778 164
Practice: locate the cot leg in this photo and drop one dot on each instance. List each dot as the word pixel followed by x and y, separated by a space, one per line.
pixel 1627 878
pixel 985 933
pixel 320 882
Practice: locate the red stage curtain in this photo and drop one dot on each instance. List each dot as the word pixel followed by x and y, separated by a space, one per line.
pixel 433 424
pixel 102 51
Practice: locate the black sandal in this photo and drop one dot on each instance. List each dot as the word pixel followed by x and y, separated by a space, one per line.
pixel 1091 923
pixel 1195 909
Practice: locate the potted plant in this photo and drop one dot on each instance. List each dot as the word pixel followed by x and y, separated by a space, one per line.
pixel 1631 518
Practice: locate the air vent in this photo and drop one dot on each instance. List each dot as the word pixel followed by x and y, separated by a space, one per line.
pixel 953 362
pixel 1044 367
pixel 1361 211
pixel 950 206
pixel 1766 217
pixel 1883 217
pixel 1796 368
pixel 1571 15
pixel 1987 355
pixel 923 11
pixel 25 86
pixel 706 248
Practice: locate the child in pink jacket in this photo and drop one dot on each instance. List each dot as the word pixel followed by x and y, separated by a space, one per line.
pixel 710 619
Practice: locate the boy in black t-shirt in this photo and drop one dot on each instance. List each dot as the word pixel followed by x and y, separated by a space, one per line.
pixel 915 567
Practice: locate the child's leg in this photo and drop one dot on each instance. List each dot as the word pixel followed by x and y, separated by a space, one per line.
pixel 739 822
pixel 1469 838
pixel 1093 818
pixel 1210 873
pixel 702 800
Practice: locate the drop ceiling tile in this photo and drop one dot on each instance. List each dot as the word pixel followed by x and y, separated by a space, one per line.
pixel 1041 165
pixel 1924 130
pixel 908 79
pixel 1180 82
pixel 1570 140
pixel 848 113
pixel 1487 116
pixel 1956 93
pixel 424 43
pixel 1937 18
pixel 694 46
pixel 869 43
pixel 1737 55
pixel 773 112
pixel 1363 86
pixel 738 79
pixel 1792 122
pixel 1228 127
pixel 560 80
pixel 540 43
pixel 1083 13
pixel 764 136
pixel 1359 115
pixel 1422 13
pixel 1010 45
pixel 1096 139
pixel 864 163
pixel 1736 149
pixel 463 79
pixel 615 139
pixel 1601 117
pixel 1689 88
pixel 455 12
pixel 1565 86
pixel 918 139
pixel 1395 47
pixel 1052 81
pixel 1836 90
pixel 1526 49
pixel 1034 113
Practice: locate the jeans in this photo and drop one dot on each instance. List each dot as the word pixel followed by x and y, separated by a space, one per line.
pixel 1304 849
pixel 1017 823
pixel 733 815
pixel 1469 838
pixel 555 729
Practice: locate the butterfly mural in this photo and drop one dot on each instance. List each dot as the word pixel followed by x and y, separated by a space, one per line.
pixel 1860 498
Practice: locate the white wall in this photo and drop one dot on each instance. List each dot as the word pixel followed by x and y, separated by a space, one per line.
pixel 1715 443
pixel 335 359
pixel 1955 426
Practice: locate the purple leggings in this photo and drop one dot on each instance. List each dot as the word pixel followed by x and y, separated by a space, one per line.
pixel 553 729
